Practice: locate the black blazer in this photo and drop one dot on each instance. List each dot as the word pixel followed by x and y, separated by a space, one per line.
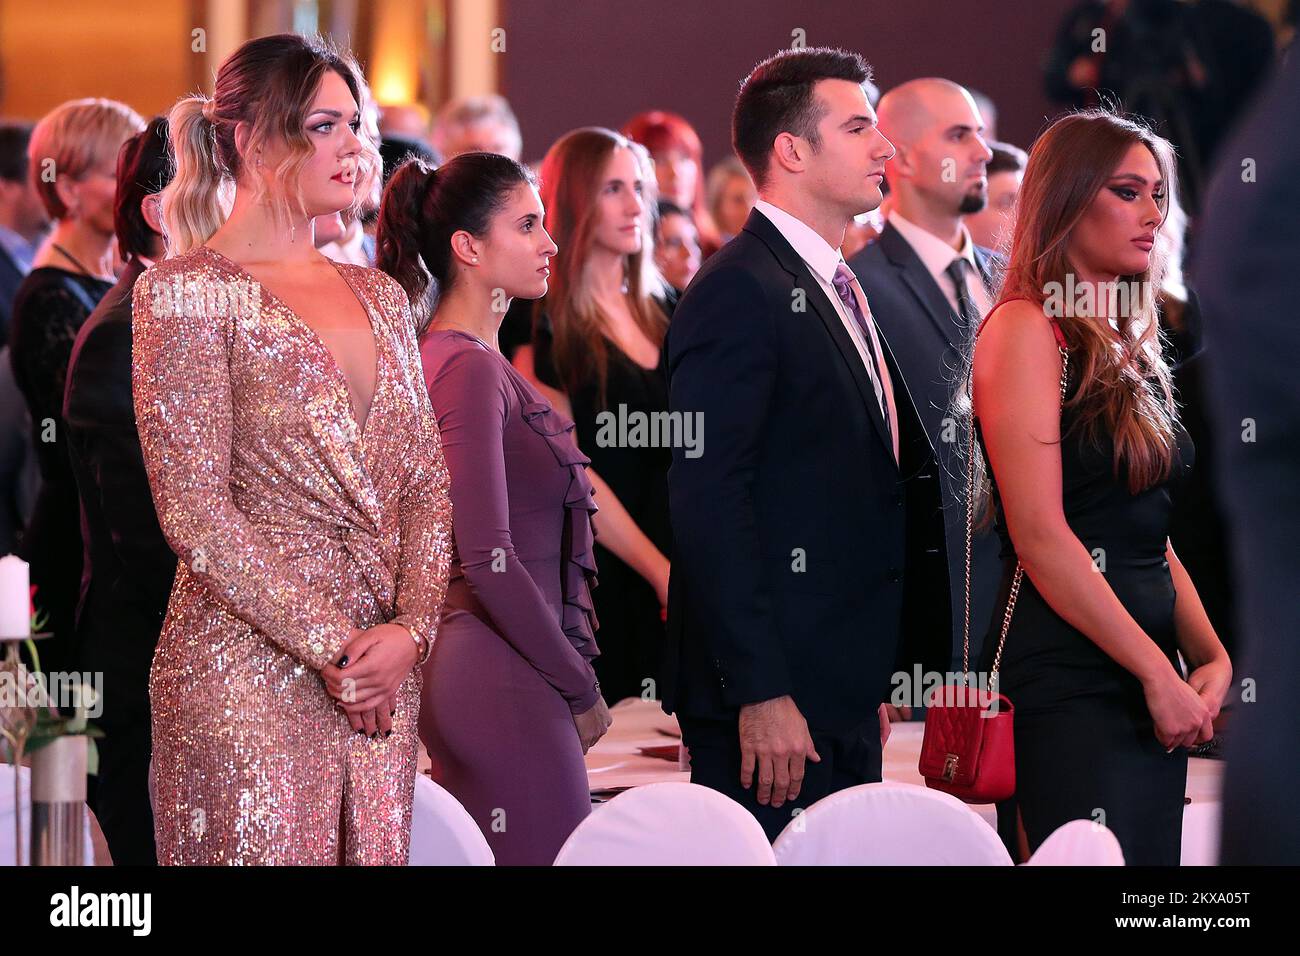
pixel 930 348
pixel 131 566
pixel 1247 248
pixel 805 558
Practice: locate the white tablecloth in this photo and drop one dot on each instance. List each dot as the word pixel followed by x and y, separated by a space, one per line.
pixel 615 762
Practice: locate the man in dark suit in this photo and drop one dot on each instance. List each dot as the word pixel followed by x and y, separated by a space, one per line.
pixel 929 287
pixel 130 566
pixel 1249 287
pixel 807 527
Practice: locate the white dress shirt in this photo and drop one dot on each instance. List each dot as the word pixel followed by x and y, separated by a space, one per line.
pixel 936 255
pixel 822 261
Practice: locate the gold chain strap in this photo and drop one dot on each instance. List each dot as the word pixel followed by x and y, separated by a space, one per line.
pixel 970 523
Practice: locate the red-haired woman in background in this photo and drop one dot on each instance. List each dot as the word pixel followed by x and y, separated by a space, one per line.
pixel 679 167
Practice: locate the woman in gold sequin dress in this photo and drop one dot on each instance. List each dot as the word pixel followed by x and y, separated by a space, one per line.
pixel 297 472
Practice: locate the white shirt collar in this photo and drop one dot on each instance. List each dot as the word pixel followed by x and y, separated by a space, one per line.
pixel 935 254
pixel 811 248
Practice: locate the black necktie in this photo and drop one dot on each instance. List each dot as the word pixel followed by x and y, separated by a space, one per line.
pixel 967 314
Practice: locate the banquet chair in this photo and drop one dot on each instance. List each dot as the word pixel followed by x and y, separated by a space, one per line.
pixel 668 824
pixel 889 824
pixel 442 831
pixel 1079 843
pixel 7 819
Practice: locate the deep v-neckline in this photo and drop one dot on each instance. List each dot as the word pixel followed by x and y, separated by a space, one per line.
pixel 315 337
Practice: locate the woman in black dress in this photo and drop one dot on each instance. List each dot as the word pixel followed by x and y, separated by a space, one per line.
pixel 1083 494
pixel 597 352
pixel 73 269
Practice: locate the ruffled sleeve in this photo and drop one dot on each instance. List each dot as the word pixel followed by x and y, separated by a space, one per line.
pixel 577 553
pixel 468 389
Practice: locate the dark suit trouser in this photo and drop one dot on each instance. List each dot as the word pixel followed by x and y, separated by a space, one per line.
pixel 121 793
pixel 848 758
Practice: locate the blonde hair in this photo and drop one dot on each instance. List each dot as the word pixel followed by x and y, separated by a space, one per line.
pixel 77 136
pixel 269 84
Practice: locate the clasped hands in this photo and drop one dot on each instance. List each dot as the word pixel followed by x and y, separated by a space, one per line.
pixel 364 679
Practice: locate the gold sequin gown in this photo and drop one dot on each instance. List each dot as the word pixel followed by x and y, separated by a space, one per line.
pixel 292 526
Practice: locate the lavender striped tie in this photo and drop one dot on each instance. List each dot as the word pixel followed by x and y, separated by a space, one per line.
pixel 843 282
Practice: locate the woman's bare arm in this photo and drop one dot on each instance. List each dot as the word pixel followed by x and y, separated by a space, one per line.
pixel 1017 378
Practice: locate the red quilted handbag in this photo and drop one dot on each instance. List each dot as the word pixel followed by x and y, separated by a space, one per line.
pixel 968 749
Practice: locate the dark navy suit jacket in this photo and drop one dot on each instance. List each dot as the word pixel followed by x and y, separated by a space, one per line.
pixel 1247 256
pixel 805 559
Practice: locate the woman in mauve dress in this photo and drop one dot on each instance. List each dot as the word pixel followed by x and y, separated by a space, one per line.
pixel 511 702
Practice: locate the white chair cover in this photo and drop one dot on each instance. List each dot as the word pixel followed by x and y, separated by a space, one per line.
pixel 889 824
pixel 442 831
pixel 1079 843
pixel 7 818
pixel 668 824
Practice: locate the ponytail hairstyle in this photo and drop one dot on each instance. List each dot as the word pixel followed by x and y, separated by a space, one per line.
pixel 423 207
pixel 269 84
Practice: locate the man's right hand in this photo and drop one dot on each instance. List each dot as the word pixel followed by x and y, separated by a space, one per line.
pixel 774 740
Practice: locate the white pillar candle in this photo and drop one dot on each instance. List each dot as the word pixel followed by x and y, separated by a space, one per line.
pixel 15 597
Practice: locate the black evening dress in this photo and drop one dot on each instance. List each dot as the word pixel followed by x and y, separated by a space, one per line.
pixel 1084 740
pixel 632 632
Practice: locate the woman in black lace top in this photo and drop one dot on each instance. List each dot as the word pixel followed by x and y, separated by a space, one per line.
pixel 71 272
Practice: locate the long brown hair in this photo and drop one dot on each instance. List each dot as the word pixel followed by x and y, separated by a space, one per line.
pixel 571 178
pixel 1124 385
pixel 268 83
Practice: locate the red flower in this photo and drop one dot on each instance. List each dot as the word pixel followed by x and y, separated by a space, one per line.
pixel 32 599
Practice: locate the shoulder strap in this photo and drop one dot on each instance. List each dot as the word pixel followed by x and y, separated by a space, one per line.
pixel 1060 336
pixel 997 305
pixel 1056 327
